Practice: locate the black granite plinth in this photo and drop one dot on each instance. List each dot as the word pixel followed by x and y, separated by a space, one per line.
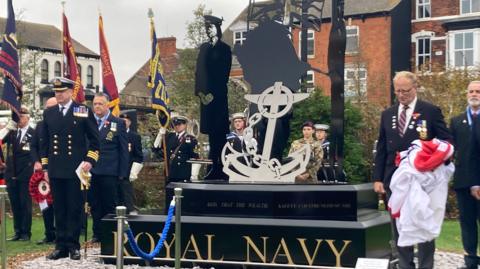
pixel 286 201
pixel 261 240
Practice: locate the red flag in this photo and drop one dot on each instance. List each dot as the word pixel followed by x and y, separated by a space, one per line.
pixel 108 78
pixel 70 69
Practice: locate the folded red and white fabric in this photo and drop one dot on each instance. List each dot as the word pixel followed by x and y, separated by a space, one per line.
pixel 419 191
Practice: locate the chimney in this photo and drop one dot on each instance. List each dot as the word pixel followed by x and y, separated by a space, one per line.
pixel 168 46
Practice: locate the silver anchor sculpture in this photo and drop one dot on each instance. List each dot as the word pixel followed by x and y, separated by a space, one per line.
pixel 248 166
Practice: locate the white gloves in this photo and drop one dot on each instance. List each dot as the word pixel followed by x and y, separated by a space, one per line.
pixel 136 168
pixel 11 126
pixel 195 171
pixel 158 140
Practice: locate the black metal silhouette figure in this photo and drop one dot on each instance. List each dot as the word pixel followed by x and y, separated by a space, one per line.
pixel 211 77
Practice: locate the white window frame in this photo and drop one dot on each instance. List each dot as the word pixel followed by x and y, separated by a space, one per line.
pixel 452 49
pixel 424 55
pixel 426 4
pixel 241 38
pixel 471 5
pixel 363 82
pixel 310 81
pixel 357 35
pixel 310 37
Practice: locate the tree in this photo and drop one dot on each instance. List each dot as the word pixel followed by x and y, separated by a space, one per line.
pixel 196 34
pixel 446 87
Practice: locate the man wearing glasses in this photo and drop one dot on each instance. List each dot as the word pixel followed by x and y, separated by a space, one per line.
pixel 400 124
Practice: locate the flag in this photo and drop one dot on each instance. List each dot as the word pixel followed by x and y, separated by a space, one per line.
pixel 70 69
pixel 12 88
pixel 156 81
pixel 108 78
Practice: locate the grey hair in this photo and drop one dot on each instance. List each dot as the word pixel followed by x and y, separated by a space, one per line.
pixel 408 75
pixel 101 94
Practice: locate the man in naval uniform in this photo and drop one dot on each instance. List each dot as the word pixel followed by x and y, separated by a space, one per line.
pixel 18 172
pixel 400 124
pixel 316 154
pixel 324 173
pixel 235 137
pixel 180 148
pixel 111 167
pixel 69 139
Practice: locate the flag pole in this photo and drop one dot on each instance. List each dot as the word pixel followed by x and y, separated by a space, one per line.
pixel 62 72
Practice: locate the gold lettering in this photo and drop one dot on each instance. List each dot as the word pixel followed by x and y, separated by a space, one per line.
pixel 150 237
pixel 168 246
pixel 286 252
pixel 310 259
pixel 209 248
pixel 125 241
pixel 195 248
pixel 250 243
pixel 335 251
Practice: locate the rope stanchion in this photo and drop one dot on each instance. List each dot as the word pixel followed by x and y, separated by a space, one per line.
pixel 150 256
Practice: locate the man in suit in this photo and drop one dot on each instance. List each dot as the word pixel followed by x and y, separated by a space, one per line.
pixel 180 148
pixel 69 139
pixel 47 213
pixel 18 172
pixel 112 165
pixel 465 174
pixel 135 162
pixel 401 124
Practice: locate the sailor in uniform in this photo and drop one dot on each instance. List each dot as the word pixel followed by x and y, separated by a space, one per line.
pixel 69 139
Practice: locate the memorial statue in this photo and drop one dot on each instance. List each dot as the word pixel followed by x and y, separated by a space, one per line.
pixel 211 77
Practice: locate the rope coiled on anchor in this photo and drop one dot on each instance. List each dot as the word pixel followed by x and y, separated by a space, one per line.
pixel 150 256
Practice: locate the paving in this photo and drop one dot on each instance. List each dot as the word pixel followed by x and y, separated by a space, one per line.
pixel 443 260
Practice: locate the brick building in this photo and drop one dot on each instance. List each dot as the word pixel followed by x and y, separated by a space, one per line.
pixel 445 32
pixel 373 52
pixel 135 94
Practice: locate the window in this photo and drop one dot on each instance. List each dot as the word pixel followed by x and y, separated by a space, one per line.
pixel 463 49
pixel 239 37
pixel 423 9
pixel 57 69
pixel 424 51
pixel 90 76
pixel 310 43
pixel 355 82
pixel 310 81
pixel 352 39
pixel 79 69
pixel 470 6
pixel 44 71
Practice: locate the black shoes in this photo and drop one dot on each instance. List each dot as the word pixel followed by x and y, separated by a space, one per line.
pixel 58 254
pixel 18 237
pixel 46 241
pixel 75 254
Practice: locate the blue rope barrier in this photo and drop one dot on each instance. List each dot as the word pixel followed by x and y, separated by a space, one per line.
pixel 158 247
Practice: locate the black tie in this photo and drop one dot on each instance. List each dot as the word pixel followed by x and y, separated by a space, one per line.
pixel 99 121
pixel 19 136
pixel 61 110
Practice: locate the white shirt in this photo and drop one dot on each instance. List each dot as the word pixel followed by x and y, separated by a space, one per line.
pixel 66 107
pixel 22 132
pixel 179 135
pixel 409 113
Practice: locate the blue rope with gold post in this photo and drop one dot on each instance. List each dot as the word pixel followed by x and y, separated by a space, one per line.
pixel 150 256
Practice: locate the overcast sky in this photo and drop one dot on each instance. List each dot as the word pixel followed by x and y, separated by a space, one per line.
pixel 125 22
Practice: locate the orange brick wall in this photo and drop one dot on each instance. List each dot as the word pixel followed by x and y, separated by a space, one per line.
pixel 374 41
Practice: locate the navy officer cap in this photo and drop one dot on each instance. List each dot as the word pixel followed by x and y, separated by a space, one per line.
pixel 61 84
pixel 179 120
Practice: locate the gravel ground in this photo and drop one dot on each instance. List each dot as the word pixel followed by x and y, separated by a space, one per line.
pixel 443 260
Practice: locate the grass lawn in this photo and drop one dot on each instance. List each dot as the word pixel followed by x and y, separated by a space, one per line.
pixel 450 238
pixel 17 247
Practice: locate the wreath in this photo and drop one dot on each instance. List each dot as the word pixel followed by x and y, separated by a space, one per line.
pixel 39 188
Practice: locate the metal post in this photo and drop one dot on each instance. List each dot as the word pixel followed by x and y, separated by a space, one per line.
pixel 121 217
pixel 178 226
pixel 3 231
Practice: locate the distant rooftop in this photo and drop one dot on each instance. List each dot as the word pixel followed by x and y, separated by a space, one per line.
pixel 45 37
